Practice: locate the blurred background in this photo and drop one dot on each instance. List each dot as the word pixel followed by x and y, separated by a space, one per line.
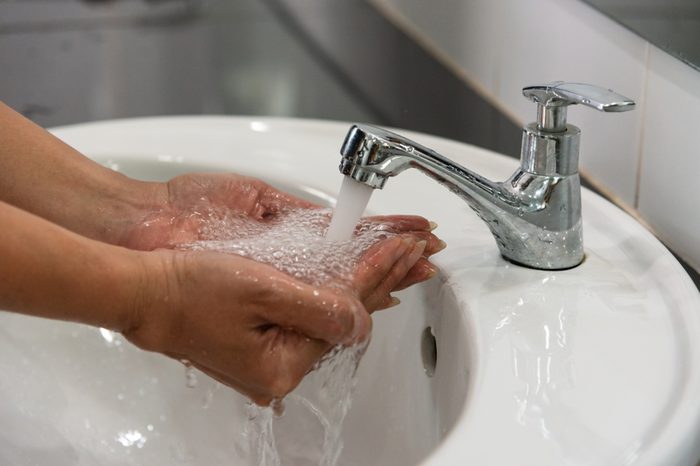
pixel 70 61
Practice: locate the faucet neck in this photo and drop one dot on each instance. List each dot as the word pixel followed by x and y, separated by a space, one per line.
pixel 551 118
pixel 549 153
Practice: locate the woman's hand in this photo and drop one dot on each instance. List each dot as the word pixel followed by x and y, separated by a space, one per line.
pixel 252 327
pixel 245 323
pixel 192 198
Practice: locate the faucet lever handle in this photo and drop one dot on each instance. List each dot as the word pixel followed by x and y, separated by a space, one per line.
pixel 553 98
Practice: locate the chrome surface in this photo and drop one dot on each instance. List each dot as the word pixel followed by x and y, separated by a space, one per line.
pixel 535 215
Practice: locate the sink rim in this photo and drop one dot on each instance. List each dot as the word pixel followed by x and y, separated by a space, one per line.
pixel 675 441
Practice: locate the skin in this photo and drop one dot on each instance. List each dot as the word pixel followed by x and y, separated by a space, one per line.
pixel 83 243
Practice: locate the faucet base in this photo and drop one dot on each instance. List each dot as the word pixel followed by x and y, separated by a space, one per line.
pixel 543 249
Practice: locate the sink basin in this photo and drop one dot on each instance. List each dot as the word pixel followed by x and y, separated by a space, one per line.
pixel 487 363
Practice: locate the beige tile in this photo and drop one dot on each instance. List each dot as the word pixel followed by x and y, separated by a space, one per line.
pixel 551 40
pixel 669 195
pixel 506 45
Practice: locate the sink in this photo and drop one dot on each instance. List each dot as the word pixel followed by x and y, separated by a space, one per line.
pixel 487 363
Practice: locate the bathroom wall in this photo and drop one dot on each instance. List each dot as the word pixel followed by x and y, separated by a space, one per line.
pixel 647 160
pixel 71 61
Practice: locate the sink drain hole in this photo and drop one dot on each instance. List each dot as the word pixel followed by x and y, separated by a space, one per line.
pixel 428 349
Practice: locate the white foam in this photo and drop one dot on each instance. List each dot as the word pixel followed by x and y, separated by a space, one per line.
pixel 293 242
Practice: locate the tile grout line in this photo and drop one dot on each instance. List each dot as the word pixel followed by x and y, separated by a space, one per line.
pixel 402 23
pixel 643 125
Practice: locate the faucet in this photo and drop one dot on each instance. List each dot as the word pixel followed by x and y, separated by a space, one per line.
pixel 535 215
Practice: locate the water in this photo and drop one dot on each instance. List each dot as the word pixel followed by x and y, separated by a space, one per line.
pixel 293 242
pixel 260 435
pixel 310 431
pixel 352 200
pixel 308 245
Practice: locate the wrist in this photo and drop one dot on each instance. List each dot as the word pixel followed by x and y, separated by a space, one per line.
pixel 127 205
pixel 148 320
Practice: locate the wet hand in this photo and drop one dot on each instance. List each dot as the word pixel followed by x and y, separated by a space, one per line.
pixel 252 327
pixel 191 199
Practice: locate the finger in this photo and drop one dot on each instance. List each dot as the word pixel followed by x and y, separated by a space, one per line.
pixel 378 261
pixel 321 313
pixel 433 243
pixel 378 297
pixel 422 270
pixel 402 223
pixel 387 302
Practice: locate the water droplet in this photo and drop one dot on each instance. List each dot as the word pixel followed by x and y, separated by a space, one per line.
pixel 190 377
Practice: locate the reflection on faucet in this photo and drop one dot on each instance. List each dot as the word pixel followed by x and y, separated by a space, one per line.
pixel 535 215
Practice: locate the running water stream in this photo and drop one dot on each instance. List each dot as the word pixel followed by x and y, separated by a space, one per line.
pixel 352 201
pixel 303 244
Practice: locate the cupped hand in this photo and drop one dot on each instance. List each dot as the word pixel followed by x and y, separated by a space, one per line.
pixel 192 199
pixel 252 327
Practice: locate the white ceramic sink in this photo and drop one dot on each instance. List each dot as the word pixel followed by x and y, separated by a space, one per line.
pixel 598 365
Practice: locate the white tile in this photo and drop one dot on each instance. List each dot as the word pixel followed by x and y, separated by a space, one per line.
pixel 669 197
pixel 461 30
pixel 552 40
pixel 508 44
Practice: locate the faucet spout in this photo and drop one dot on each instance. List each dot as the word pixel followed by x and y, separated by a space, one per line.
pixel 534 219
pixel 535 215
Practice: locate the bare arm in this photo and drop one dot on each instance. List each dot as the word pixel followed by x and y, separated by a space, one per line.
pixel 48 271
pixel 44 176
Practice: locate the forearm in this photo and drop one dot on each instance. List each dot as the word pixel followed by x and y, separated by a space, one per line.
pixel 48 271
pixel 41 174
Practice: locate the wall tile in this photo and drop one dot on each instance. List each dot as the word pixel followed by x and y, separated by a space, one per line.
pixel 461 30
pixel 548 40
pixel 509 44
pixel 669 195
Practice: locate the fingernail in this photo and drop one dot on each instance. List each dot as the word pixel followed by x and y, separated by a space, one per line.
pixel 406 243
pixel 432 226
pixel 394 302
pixel 431 271
pixel 420 247
pixel 440 246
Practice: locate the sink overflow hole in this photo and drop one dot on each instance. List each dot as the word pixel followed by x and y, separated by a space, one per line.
pixel 428 349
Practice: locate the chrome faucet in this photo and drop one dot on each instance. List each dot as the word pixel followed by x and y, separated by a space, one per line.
pixel 535 215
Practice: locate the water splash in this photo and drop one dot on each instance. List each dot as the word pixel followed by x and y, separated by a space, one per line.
pixel 293 242
pixel 260 435
pixel 327 398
